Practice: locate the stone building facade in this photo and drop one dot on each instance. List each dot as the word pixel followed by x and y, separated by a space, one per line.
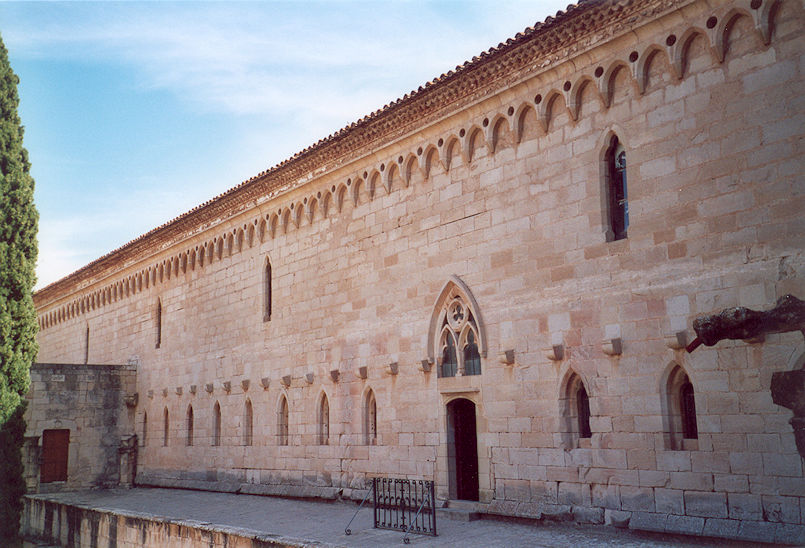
pixel 490 283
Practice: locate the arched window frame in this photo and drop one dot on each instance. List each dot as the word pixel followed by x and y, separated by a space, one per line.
pixel 189 426
pixel 370 418
pixel 323 413
pixel 455 314
pixel 216 425
pixel 575 411
pixel 283 419
pixel 679 410
pixel 165 427
pixel 615 188
pixel 248 423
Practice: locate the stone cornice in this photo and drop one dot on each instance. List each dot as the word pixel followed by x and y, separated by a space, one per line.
pixel 543 46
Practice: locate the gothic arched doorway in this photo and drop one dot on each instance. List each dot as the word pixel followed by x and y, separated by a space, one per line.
pixel 462 449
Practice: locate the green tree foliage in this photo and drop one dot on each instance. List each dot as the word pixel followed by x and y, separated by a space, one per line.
pixel 18 326
pixel 12 483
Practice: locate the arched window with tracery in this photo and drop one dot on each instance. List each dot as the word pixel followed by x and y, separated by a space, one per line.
pixel 456 335
pixel 216 424
pixel 324 420
pixel 616 190
pixel 282 421
pixel 370 418
pixel 679 407
pixel 248 423
pixel 189 426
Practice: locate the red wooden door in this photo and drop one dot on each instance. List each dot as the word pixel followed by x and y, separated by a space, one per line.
pixel 55 446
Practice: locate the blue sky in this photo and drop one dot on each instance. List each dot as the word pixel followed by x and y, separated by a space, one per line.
pixel 137 112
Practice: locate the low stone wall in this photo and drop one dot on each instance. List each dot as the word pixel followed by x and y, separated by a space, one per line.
pixel 77 526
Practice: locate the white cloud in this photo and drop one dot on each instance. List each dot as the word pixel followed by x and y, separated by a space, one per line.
pixel 291 75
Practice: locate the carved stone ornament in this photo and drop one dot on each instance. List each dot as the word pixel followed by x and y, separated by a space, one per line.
pixel 286 381
pixel 131 400
pixel 739 322
pixel 334 374
pixel 265 382
pixel 208 387
pixel 244 384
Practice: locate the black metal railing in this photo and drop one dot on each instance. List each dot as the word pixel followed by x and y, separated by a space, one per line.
pixel 405 505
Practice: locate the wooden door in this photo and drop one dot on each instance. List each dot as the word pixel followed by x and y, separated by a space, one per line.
pixel 55 448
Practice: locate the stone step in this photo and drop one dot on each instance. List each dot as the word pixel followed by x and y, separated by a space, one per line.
pixel 457 514
pixel 461 510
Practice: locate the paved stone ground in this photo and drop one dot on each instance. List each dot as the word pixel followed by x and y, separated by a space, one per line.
pixel 322 523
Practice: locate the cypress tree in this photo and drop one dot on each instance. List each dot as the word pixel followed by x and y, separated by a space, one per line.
pixel 18 325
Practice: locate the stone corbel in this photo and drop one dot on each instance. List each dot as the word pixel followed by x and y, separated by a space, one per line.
pixel 227 386
pixel 677 341
pixel 556 352
pixel 309 378
pixel 179 390
pixel 334 374
pixel 193 389
pixel 362 372
pixel 244 384
pixel 150 394
pixel 164 392
pixel 265 382
pixel 208 387
pixel 612 347
pixel 506 357
pixel 425 365
pixel 131 400
pixel 393 368
pixel 286 381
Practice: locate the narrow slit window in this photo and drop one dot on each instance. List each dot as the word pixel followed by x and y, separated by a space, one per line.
pixel 189 425
pixel 282 420
pixel 165 427
pixel 248 423
pixel 617 190
pixel 267 292
pixel 216 425
pixel 324 421
pixel 145 427
pixel 86 345
pixel 371 419
pixel 159 324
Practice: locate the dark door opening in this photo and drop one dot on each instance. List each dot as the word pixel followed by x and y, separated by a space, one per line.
pixel 462 449
pixel 55 448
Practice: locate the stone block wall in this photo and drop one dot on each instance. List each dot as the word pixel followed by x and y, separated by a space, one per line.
pixel 508 194
pixel 89 401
